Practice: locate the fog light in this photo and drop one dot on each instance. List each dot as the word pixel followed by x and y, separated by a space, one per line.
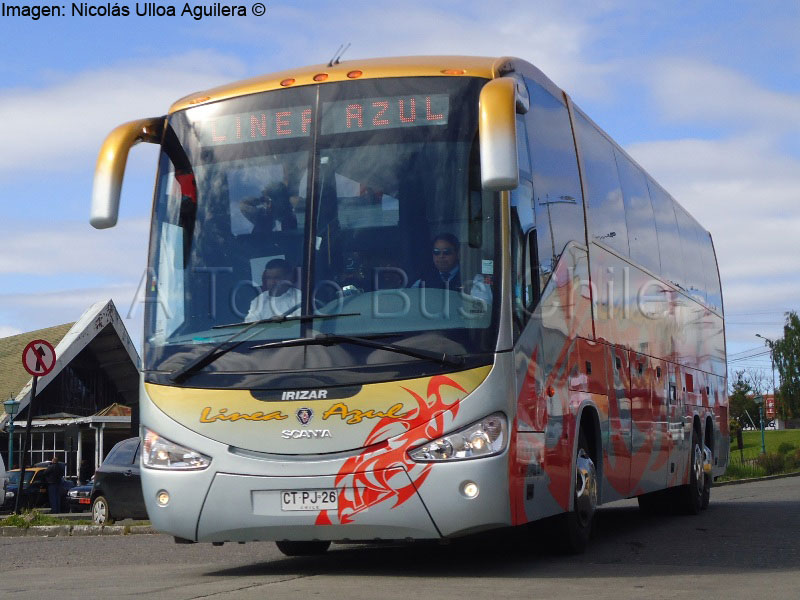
pixel 470 489
pixel 162 498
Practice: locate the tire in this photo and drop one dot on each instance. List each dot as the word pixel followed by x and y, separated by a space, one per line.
pixel 101 512
pixel 708 481
pixel 576 525
pixel 691 496
pixel 303 548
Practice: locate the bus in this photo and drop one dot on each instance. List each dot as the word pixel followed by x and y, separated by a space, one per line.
pixel 414 298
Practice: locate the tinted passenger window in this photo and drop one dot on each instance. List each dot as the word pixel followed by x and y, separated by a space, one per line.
pixel 556 182
pixel 669 240
pixel 692 259
pixel 642 239
pixel 606 209
pixel 124 453
pixel 713 292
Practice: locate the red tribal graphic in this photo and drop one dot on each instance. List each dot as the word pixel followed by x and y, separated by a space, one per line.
pixel 377 475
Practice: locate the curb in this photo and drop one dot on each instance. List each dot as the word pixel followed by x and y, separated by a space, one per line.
pixel 76 530
pixel 752 479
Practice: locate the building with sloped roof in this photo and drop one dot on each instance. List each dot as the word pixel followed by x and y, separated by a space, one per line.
pixel 87 403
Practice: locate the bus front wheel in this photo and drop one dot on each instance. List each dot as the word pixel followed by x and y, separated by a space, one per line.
pixel 302 548
pixel 577 524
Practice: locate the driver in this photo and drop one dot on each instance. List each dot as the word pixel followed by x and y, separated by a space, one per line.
pixel 279 297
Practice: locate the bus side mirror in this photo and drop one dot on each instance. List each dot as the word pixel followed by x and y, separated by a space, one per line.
pixel 110 169
pixel 497 133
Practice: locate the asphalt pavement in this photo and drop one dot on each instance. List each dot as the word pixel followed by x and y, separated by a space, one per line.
pixel 746 545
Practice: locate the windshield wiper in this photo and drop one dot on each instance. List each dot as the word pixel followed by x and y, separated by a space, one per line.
pixel 228 344
pixel 282 318
pixel 328 339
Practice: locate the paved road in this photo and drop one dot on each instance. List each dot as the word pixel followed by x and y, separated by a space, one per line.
pixel 746 545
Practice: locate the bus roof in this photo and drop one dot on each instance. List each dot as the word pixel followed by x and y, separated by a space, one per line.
pixel 403 66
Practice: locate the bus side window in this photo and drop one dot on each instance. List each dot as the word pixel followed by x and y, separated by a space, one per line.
pixel 639 218
pixel 556 181
pixel 669 238
pixel 525 268
pixel 692 258
pixel 604 203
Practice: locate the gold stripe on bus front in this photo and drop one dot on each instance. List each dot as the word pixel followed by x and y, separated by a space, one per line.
pixel 409 66
pixel 231 411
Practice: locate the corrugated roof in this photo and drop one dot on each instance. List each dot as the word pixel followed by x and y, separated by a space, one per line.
pixel 13 375
pixel 114 410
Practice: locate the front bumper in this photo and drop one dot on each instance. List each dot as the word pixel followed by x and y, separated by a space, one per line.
pixel 381 504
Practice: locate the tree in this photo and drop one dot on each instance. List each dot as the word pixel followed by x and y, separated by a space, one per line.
pixel 786 353
pixel 740 402
pixel 758 380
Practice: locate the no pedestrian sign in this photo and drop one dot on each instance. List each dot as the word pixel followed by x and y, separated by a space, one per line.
pixel 39 358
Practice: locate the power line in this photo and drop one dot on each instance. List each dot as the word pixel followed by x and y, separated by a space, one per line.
pixel 746 351
pixel 748 357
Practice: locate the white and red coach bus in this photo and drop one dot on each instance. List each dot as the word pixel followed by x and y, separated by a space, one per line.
pixel 414 298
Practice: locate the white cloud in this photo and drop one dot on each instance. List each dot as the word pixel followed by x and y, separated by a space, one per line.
pixel 74 249
pixel 63 124
pixel 541 32
pixel 744 187
pixel 7 330
pixel 748 195
pixel 28 311
pixel 688 90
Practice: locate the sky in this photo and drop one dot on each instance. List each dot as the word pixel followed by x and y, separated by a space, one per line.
pixel 705 95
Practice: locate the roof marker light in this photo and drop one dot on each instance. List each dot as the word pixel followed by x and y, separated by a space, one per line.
pixel 320 77
pixel 355 74
pixel 453 71
pixel 199 99
pixel 287 82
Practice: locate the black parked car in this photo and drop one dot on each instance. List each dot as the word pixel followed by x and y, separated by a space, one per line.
pixel 79 498
pixel 117 491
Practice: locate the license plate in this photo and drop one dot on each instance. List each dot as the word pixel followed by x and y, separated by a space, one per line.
pixel 309 500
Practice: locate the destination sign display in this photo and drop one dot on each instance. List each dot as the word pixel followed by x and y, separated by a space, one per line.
pixel 270 124
pixel 368 114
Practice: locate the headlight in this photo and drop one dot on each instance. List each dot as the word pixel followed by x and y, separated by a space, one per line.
pixel 160 453
pixel 483 438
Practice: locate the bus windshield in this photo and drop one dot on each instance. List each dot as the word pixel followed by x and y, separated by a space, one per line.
pixel 359 199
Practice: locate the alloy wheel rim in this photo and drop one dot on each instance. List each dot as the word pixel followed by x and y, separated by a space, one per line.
pixel 100 512
pixel 698 468
pixel 585 487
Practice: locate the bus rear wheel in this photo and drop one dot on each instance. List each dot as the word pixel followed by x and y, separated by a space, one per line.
pixel 708 480
pixel 302 548
pixel 691 495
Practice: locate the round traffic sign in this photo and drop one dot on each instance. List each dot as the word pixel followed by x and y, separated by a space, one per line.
pixel 39 357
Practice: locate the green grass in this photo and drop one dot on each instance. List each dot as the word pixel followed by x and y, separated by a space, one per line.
pixel 35 518
pixel 773 439
pixel 783 455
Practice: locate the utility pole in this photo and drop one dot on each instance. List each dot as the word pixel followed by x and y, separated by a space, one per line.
pixel 771 344
pixel 760 401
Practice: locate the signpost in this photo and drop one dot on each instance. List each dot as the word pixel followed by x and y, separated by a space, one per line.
pixel 760 401
pixel 38 358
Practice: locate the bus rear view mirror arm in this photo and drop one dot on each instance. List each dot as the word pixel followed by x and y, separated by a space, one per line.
pixel 110 168
pixel 497 134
